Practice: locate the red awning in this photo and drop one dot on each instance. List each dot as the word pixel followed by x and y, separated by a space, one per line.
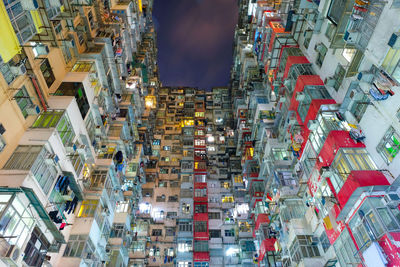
pixel 292 60
pixel 201 256
pixel 266 245
pixel 357 183
pixel 261 218
pixel 302 81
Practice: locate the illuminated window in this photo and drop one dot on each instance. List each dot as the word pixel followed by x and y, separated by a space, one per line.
pixel 88 208
pixel 227 199
pixel 225 185
pixel 211 148
pixel 199 142
pixel 238 179
pixel 199 114
pixel 199 132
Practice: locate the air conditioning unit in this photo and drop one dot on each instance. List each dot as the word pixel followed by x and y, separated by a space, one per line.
pixel 312 125
pixel 352 37
pixel 14 253
pixel 29 4
pixel 365 77
pixel 69 43
pixel 282 99
pixel 300 96
pixel 394 41
pixel 55 3
pixel 276 83
pixel 286 83
pixel 314 240
pixel 33 110
pixel 52 159
pixel 330 82
pixel 81 149
pixel 391 200
pixel 42 49
pixel 70 149
pixel 18 69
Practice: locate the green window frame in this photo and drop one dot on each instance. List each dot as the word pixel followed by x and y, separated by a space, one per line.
pixel 389 146
pixel 23 101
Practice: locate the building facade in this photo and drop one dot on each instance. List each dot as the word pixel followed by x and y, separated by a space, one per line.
pixel 294 163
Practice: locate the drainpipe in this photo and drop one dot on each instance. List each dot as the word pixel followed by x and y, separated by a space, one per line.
pixel 39 93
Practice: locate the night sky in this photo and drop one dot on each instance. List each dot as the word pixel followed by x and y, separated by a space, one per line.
pixel 194 39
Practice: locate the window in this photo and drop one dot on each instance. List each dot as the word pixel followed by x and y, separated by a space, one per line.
pixel 307 38
pixel 200 226
pixel 166 148
pixel 184 264
pixel 391 63
pixel 330 31
pixel 280 154
pixel 200 192
pixel 200 178
pixel 17 220
pixel 117 230
pixel 186 208
pixel 338 77
pixel 160 198
pixel 185 246
pixel 230 232
pixel 34 248
pixel 88 208
pixel 2 143
pixel 23 100
pixel 75 246
pixel 227 199
pixel 81 38
pixel 7 74
pixel 138 245
pixel 33 158
pixel 238 179
pixel 345 249
pixel 171 215
pixel 185 226
pixel 170 231
pixel 200 246
pixel 389 146
pixel 47 72
pixel 122 207
pixel 91 19
pixel 359 107
pixel 321 53
pixel 324 240
pixel 200 208
pixel 214 215
pixel 156 232
pixel 164 171
pixel 215 233
pixel 199 142
pixel 173 198
pixel 303 247
pixel 98 178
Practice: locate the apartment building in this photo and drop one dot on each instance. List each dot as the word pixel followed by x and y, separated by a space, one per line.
pixel 316 124
pixel 74 79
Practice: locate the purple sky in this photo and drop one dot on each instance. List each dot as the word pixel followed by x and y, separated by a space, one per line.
pixel 195 40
